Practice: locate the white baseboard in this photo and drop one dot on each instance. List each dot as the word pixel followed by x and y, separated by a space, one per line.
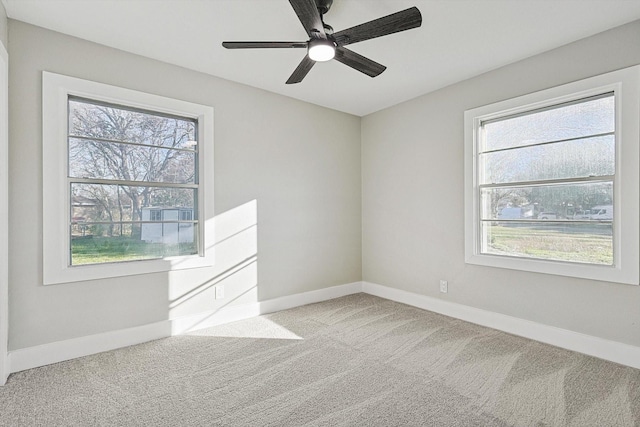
pixel 207 319
pixel 245 311
pixel 46 354
pixel 613 351
pixel 33 357
pixel 297 300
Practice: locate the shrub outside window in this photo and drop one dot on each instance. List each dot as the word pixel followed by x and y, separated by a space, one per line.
pixel 551 180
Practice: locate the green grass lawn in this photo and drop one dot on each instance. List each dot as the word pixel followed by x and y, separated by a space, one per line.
pixel 588 244
pixel 95 250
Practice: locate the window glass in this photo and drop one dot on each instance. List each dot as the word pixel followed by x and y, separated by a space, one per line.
pixel 102 121
pixel 90 158
pixel 585 157
pixel 575 120
pixel 551 240
pixel 537 169
pixel 122 162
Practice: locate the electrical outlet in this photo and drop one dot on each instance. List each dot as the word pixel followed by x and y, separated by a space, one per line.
pixel 219 292
pixel 444 286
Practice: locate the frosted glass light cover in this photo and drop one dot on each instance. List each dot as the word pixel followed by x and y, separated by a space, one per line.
pixel 321 50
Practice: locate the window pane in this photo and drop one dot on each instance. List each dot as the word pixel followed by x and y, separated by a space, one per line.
pixel 110 160
pixel 569 159
pixel 560 201
pixel 121 243
pixel 120 124
pixel 574 120
pixel 113 223
pixel 113 203
pixel 590 242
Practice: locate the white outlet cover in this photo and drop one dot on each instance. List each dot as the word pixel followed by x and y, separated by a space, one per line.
pixel 444 286
pixel 219 292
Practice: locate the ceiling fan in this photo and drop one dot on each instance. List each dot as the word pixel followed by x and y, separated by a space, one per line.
pixel 324 44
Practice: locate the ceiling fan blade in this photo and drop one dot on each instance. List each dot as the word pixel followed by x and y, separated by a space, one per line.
pixel 301 71
pixel 394 23
pixel 260 45
pixel 359 62
pixel 307 12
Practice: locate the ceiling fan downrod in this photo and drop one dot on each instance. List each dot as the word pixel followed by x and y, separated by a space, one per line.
pixel 324 6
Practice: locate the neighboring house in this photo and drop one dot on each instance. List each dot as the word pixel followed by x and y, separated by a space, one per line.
pixel 516 213
pixel 167 232
pixel 82 208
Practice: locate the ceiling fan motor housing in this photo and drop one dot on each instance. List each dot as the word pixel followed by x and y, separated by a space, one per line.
pixel 324 6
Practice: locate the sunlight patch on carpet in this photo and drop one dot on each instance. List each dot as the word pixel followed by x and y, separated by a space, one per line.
pixel 257 327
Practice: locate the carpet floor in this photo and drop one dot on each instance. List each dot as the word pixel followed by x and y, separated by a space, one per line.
pixel 353 361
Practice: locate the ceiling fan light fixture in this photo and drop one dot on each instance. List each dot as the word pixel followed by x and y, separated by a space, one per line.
pixel 321 50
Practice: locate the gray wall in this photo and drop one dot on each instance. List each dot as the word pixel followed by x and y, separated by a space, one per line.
pixel 4 38
pixel 413 205
pixel 274 159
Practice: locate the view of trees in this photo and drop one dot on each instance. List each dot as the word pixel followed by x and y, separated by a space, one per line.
pixel 121 161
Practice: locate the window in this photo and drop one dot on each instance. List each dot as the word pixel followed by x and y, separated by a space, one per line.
pixel 540 166
pixel 155 215
pixel 119 168
pixel 552 180
pixel 121 162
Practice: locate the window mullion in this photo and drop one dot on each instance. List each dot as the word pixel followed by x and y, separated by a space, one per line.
pixel 548 182
pixel 136 144
pixel 557 141
pixel 131 183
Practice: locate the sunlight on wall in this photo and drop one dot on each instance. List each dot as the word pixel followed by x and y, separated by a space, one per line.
pixel 192 293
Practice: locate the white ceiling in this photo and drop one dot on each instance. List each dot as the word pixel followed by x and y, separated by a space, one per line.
pixel 458 39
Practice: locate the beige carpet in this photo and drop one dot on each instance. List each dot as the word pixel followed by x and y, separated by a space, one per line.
pixel 357 360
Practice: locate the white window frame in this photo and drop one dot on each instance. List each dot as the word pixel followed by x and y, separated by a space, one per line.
pixel 56 90
pixel 625 84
